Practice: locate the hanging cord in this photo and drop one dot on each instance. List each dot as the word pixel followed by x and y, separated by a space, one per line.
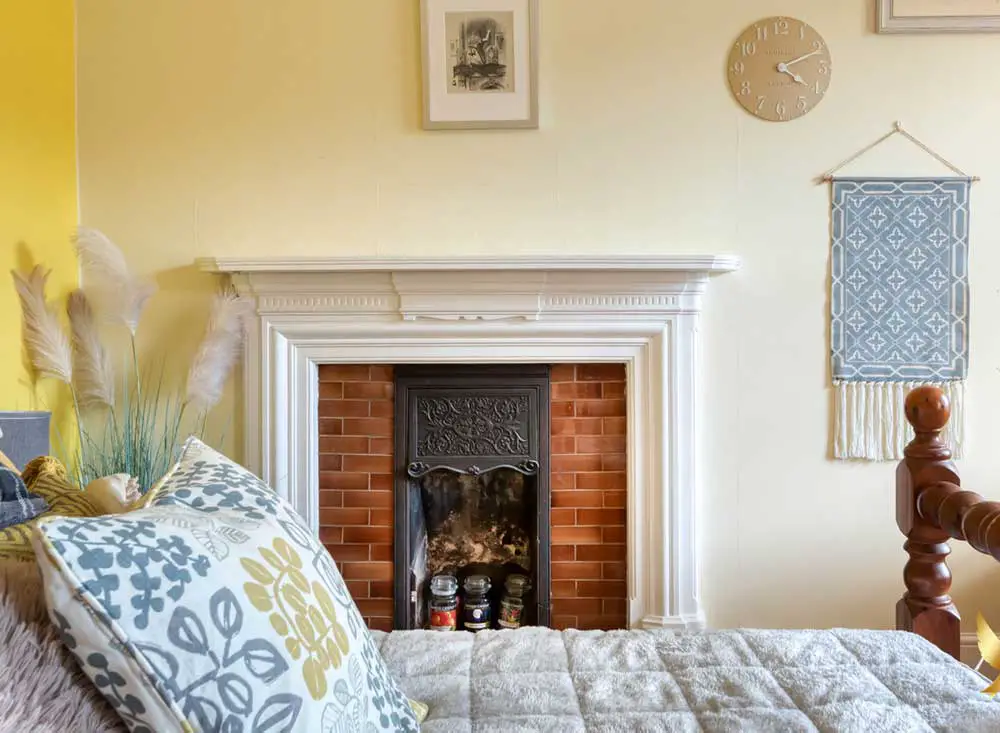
pixel 897 129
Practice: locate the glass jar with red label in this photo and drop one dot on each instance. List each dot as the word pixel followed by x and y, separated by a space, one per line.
pixel 444 603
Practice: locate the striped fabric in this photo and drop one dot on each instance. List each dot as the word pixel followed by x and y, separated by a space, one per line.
pixel 17 504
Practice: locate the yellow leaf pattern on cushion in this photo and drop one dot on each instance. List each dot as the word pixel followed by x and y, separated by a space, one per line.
pixel 302 613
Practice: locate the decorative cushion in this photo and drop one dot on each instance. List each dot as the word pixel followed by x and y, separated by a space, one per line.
pixel 17 504
pixel 216 609
pixel 47 478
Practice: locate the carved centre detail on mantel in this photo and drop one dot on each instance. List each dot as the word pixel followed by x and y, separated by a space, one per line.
pixel 643 311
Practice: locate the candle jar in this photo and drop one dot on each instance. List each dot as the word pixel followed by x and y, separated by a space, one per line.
pixel 443 605
pixel 476 606
pixel 512 605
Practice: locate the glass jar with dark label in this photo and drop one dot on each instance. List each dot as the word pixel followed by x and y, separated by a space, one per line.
pixel 443 605
pixel 476 606
pixel 512 605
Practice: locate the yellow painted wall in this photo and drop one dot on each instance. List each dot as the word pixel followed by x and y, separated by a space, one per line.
pixel 38 202
pixel 256 127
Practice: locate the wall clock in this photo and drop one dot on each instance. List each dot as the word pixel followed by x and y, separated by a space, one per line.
pixel 779 69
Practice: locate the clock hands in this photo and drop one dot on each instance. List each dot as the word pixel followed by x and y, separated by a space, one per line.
pixel 801 58
pixel 783 68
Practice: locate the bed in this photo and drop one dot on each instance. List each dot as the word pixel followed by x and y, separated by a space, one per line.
pixel 540 680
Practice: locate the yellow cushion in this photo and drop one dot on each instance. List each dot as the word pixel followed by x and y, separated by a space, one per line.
pixel 45 477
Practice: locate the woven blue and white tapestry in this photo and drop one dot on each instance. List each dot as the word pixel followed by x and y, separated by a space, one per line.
pixel 899 306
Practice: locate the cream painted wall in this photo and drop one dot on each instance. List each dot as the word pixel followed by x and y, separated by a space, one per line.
pixel 37 182
pixel 254 127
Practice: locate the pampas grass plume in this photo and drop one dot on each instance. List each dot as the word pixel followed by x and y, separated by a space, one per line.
pixel 109 281
pixel 44 338
pixel 93 375
pixel 219 351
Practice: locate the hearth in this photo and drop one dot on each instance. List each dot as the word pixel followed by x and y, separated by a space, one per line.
pixel 472 482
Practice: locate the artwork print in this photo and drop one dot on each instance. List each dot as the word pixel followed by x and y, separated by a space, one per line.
pixel 480 52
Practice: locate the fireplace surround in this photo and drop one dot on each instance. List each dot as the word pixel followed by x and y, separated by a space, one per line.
pixel 640 311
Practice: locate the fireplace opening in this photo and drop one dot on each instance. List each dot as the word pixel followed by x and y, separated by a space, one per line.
pixel 472 469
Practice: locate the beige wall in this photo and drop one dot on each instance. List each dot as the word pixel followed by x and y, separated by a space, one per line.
pixel 255 127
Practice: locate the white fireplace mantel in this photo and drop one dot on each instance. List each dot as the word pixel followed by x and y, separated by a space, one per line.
pixel 642 311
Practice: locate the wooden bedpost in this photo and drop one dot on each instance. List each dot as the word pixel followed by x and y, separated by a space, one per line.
pixel 926 608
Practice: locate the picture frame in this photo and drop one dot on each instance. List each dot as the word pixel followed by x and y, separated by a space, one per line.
pixel 480 64
pixel 938 16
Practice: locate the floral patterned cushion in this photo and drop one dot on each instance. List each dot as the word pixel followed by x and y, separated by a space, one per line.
pixel 216 609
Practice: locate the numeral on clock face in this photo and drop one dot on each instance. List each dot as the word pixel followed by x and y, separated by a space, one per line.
pixel 781 27
pixel 760 103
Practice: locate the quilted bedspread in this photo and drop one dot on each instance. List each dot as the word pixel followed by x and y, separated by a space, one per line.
pixel 643 681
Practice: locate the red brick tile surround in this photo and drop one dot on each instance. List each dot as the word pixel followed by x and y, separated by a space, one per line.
pixel 588 489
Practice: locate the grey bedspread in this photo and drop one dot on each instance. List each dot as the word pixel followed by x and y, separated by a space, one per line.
pixel 643 681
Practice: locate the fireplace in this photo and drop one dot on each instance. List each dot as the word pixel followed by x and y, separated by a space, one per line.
pixel 471 483
pixel 640 312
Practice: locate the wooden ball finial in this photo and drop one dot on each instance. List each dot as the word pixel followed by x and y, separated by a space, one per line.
pixel 927 409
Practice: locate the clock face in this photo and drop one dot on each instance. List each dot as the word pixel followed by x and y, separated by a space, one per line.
pixel 779 69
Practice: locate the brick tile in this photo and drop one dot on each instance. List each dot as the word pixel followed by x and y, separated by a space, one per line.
pixel 382 373
pixel 563 518
pixel 576 463
pixel 613 571
pixel 600 517
pixel 559 481
pixel 614 535
pixel 562 444
pixel 381 553
pixel 370 499
pixel 576 571
pixel 615 499
pixel 601 372
pixel 367 570
pixel 349 553
pixel 578 426
pixel 562 553
pixel 381 408
pixel 381 482
pixel 601 444
pixel 601 553
pixel 381 518
pixel 616 607
pixel 379 607
pixel 563 409
pixel 615 425
pixel 330 391
pixel 600 588
pixel 331 535
pixel 367 390
pixel 563 622
pixel 331 426
pixel 562 373
pixel 343 444
pixel 368 464
pixel 341 517
pixel 612 389
pixel 602 480
pixel 576 536
pixel 358 588
pixel 563 588
pixel 380 447
pixel 576 606
pixel 574 499
pixel 614 461
pixel 329 462
pixel 339 481
pixel 346 408
pixel 371 427
pixel 331 498
pixel 600 408
pixel 381 589
pixel 576 391
pixel 378 623
pixel 599 623
pixel 344 373
pixel 377 535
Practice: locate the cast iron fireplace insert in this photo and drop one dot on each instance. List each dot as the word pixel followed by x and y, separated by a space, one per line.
pixel 471 482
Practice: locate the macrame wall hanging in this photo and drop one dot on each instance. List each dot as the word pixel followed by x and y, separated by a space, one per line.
pixel 899 302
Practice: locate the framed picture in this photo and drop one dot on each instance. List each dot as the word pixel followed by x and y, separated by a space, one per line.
pixel 938 16
pixel 480 63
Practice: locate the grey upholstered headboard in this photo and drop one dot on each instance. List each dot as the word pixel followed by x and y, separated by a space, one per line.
pixel 24 435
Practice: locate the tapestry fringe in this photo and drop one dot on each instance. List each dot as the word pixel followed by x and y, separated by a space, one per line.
pixel 871 424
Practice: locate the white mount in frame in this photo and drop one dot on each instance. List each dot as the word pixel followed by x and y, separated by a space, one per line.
pixel 936 16
pixel 644 312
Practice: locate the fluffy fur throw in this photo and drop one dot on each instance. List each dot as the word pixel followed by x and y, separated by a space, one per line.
pixel 41 687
